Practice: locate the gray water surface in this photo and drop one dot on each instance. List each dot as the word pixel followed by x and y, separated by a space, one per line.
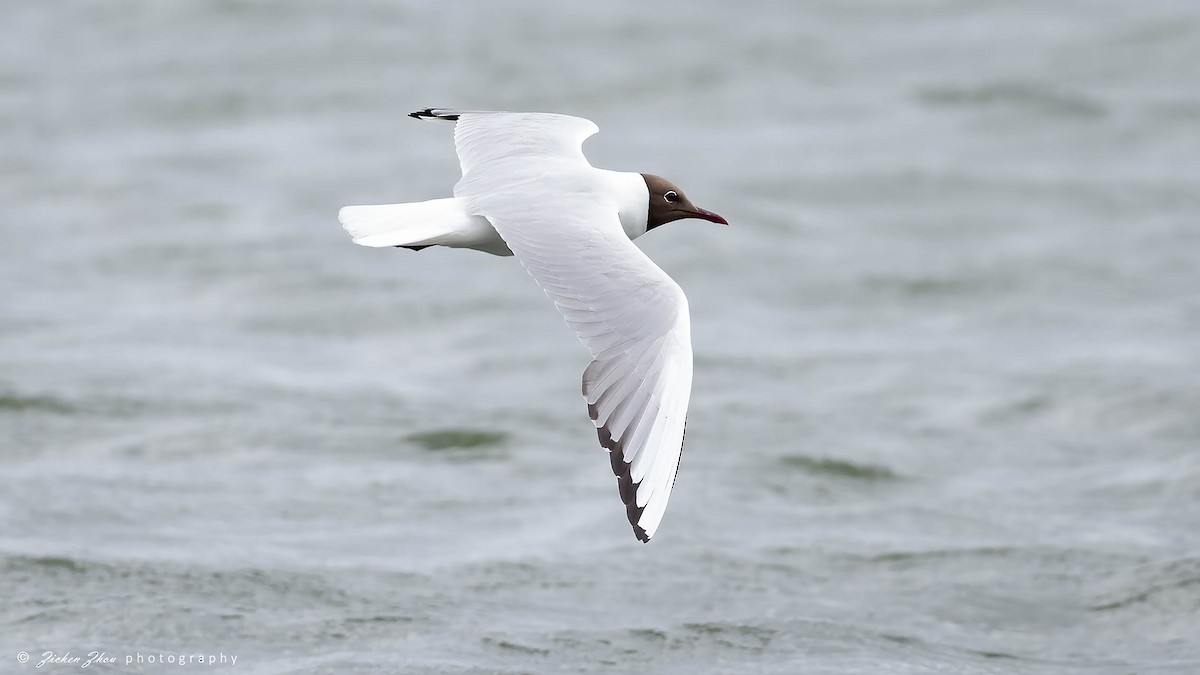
pixel 946 415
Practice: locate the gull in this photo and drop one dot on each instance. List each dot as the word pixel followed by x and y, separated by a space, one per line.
pixel 528 191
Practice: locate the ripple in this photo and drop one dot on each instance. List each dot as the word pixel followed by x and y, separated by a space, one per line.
pixel 909 556
pixel 22 403
pixel 836 467
pixel 1035 97
pixel 510 646
pixel 446 439
pixel 1177 583
pixel 754 638
pixel 47 563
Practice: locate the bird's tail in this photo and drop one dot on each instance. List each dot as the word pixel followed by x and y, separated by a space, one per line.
pixel 412 224
pixel 436 222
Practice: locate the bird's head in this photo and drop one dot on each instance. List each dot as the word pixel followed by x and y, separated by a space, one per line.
pixel 668 203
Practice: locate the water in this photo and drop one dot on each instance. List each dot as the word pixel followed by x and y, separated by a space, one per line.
pixel 947 402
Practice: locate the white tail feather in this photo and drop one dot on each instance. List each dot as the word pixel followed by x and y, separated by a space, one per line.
pixel 436 222
pixel 400 224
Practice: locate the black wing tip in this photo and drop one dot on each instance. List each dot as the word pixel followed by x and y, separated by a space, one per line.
pixel 430 113
pixel 634 512
pixel 625 485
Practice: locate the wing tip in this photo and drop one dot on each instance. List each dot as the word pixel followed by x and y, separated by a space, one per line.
pixel 435 114
pixel 625 485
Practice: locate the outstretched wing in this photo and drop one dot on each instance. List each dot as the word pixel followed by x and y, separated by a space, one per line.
pixel 632 317
pixel 526 173
pixel 484 139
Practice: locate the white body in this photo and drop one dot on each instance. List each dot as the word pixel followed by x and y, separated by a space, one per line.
pixel 445 222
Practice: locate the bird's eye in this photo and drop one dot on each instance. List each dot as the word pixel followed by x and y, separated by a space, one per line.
pixel 671 196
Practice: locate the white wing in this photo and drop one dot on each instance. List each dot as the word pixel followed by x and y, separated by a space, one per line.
pixel 527 175
pixel 486 137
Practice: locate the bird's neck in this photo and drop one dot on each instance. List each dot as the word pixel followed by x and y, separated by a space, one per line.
pixel 633 200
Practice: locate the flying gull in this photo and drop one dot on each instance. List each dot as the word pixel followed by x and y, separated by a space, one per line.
pixel 527 190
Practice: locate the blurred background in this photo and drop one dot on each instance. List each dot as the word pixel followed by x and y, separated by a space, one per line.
pixel 946 412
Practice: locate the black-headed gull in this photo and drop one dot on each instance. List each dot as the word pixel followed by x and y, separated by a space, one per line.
pixel 527 189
